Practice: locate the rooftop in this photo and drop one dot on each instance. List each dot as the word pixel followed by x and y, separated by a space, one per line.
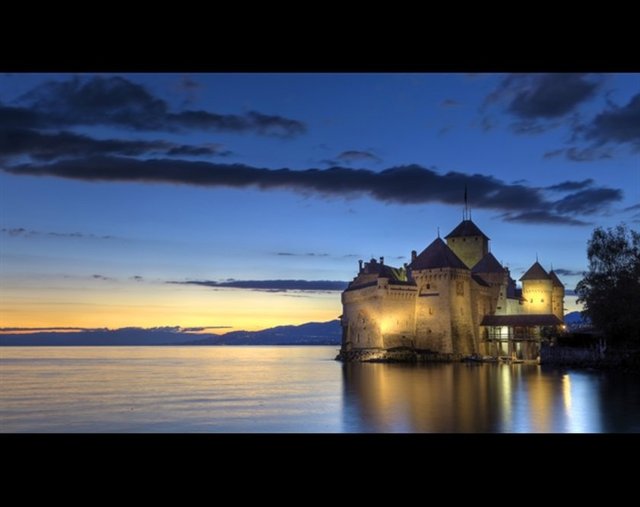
pixel 437 255
pixel 466 228
pixel 554 278
pixel 535 272
pixel 488 264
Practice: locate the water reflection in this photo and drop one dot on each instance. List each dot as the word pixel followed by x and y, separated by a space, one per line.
pixel 483 398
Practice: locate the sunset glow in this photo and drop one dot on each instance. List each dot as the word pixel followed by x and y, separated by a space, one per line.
pixel 140 200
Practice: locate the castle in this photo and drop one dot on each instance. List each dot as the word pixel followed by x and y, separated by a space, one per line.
pixel 454 299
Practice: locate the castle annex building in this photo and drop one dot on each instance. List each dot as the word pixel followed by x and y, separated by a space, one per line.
pixel 454 298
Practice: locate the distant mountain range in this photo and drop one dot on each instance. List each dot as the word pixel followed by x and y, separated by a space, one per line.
pixel 575 321
pixel 312 333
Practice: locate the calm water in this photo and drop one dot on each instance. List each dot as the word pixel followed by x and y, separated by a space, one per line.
pixel 299 389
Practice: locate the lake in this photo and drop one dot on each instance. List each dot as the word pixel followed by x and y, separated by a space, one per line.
pixel 297 389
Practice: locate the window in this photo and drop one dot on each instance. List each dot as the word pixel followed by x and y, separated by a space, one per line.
pixel 542 300
pixel 460 288
pixel 428 286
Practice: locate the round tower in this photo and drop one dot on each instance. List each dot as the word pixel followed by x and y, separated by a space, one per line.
pixel 537 290
pixel 557 296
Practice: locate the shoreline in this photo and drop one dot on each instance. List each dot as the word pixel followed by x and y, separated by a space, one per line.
pixel 626 361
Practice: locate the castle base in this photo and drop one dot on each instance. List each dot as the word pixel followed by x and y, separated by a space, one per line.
pixel 396 355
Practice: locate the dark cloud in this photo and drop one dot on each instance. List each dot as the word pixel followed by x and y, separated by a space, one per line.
pixel 198 151
pixel 17 231
pixel 553 153
pixel 567 272
pixel 188 84
pixel 616 125
pixel 449 103
pixel 532 127
pixel 541 217
pixel 48 146
pixel 353 156
pixel 21 118
pixel 410 184
pixel 137 278
pixel 589 154
pixel 101 277
pixel 587 202
pixel 487 123
pixel 21 231
pixel 272 285
pixel 632 208
pixel 25 329
pixel 570 186
pixel 310 254
pixel 119 102
pixel 544 96
pixel 197 329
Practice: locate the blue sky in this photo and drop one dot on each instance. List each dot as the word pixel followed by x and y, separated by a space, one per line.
pixel 113 185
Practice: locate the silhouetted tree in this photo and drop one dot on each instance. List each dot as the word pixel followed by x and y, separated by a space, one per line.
pixel 610 290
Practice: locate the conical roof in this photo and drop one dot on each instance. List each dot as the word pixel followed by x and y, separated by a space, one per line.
pixel 535 272
pixel 554 278
pixel 488 264
pixel 437 255
pixel 466 228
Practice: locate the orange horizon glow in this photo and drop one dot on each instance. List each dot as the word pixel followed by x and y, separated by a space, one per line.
pixel 120 305
pixel 114 305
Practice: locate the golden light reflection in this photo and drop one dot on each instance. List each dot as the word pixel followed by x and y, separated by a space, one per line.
pixel 506 397
pixel 541 403
pixel 566 393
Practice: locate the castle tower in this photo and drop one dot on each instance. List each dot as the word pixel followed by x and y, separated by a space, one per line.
pixel 537 290
pixel 557 295
pixel 468 242
pixel 443 312
pixel 492 272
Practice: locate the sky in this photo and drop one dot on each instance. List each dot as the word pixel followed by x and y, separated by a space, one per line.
pixel 244 201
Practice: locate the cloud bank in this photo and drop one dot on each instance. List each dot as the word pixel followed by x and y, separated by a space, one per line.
pixel 272 285
pixel 118 102
pixel 410 184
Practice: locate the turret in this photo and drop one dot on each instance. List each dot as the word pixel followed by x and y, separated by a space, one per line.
pixel 537 290
pixel 557 295
pixel 468 242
